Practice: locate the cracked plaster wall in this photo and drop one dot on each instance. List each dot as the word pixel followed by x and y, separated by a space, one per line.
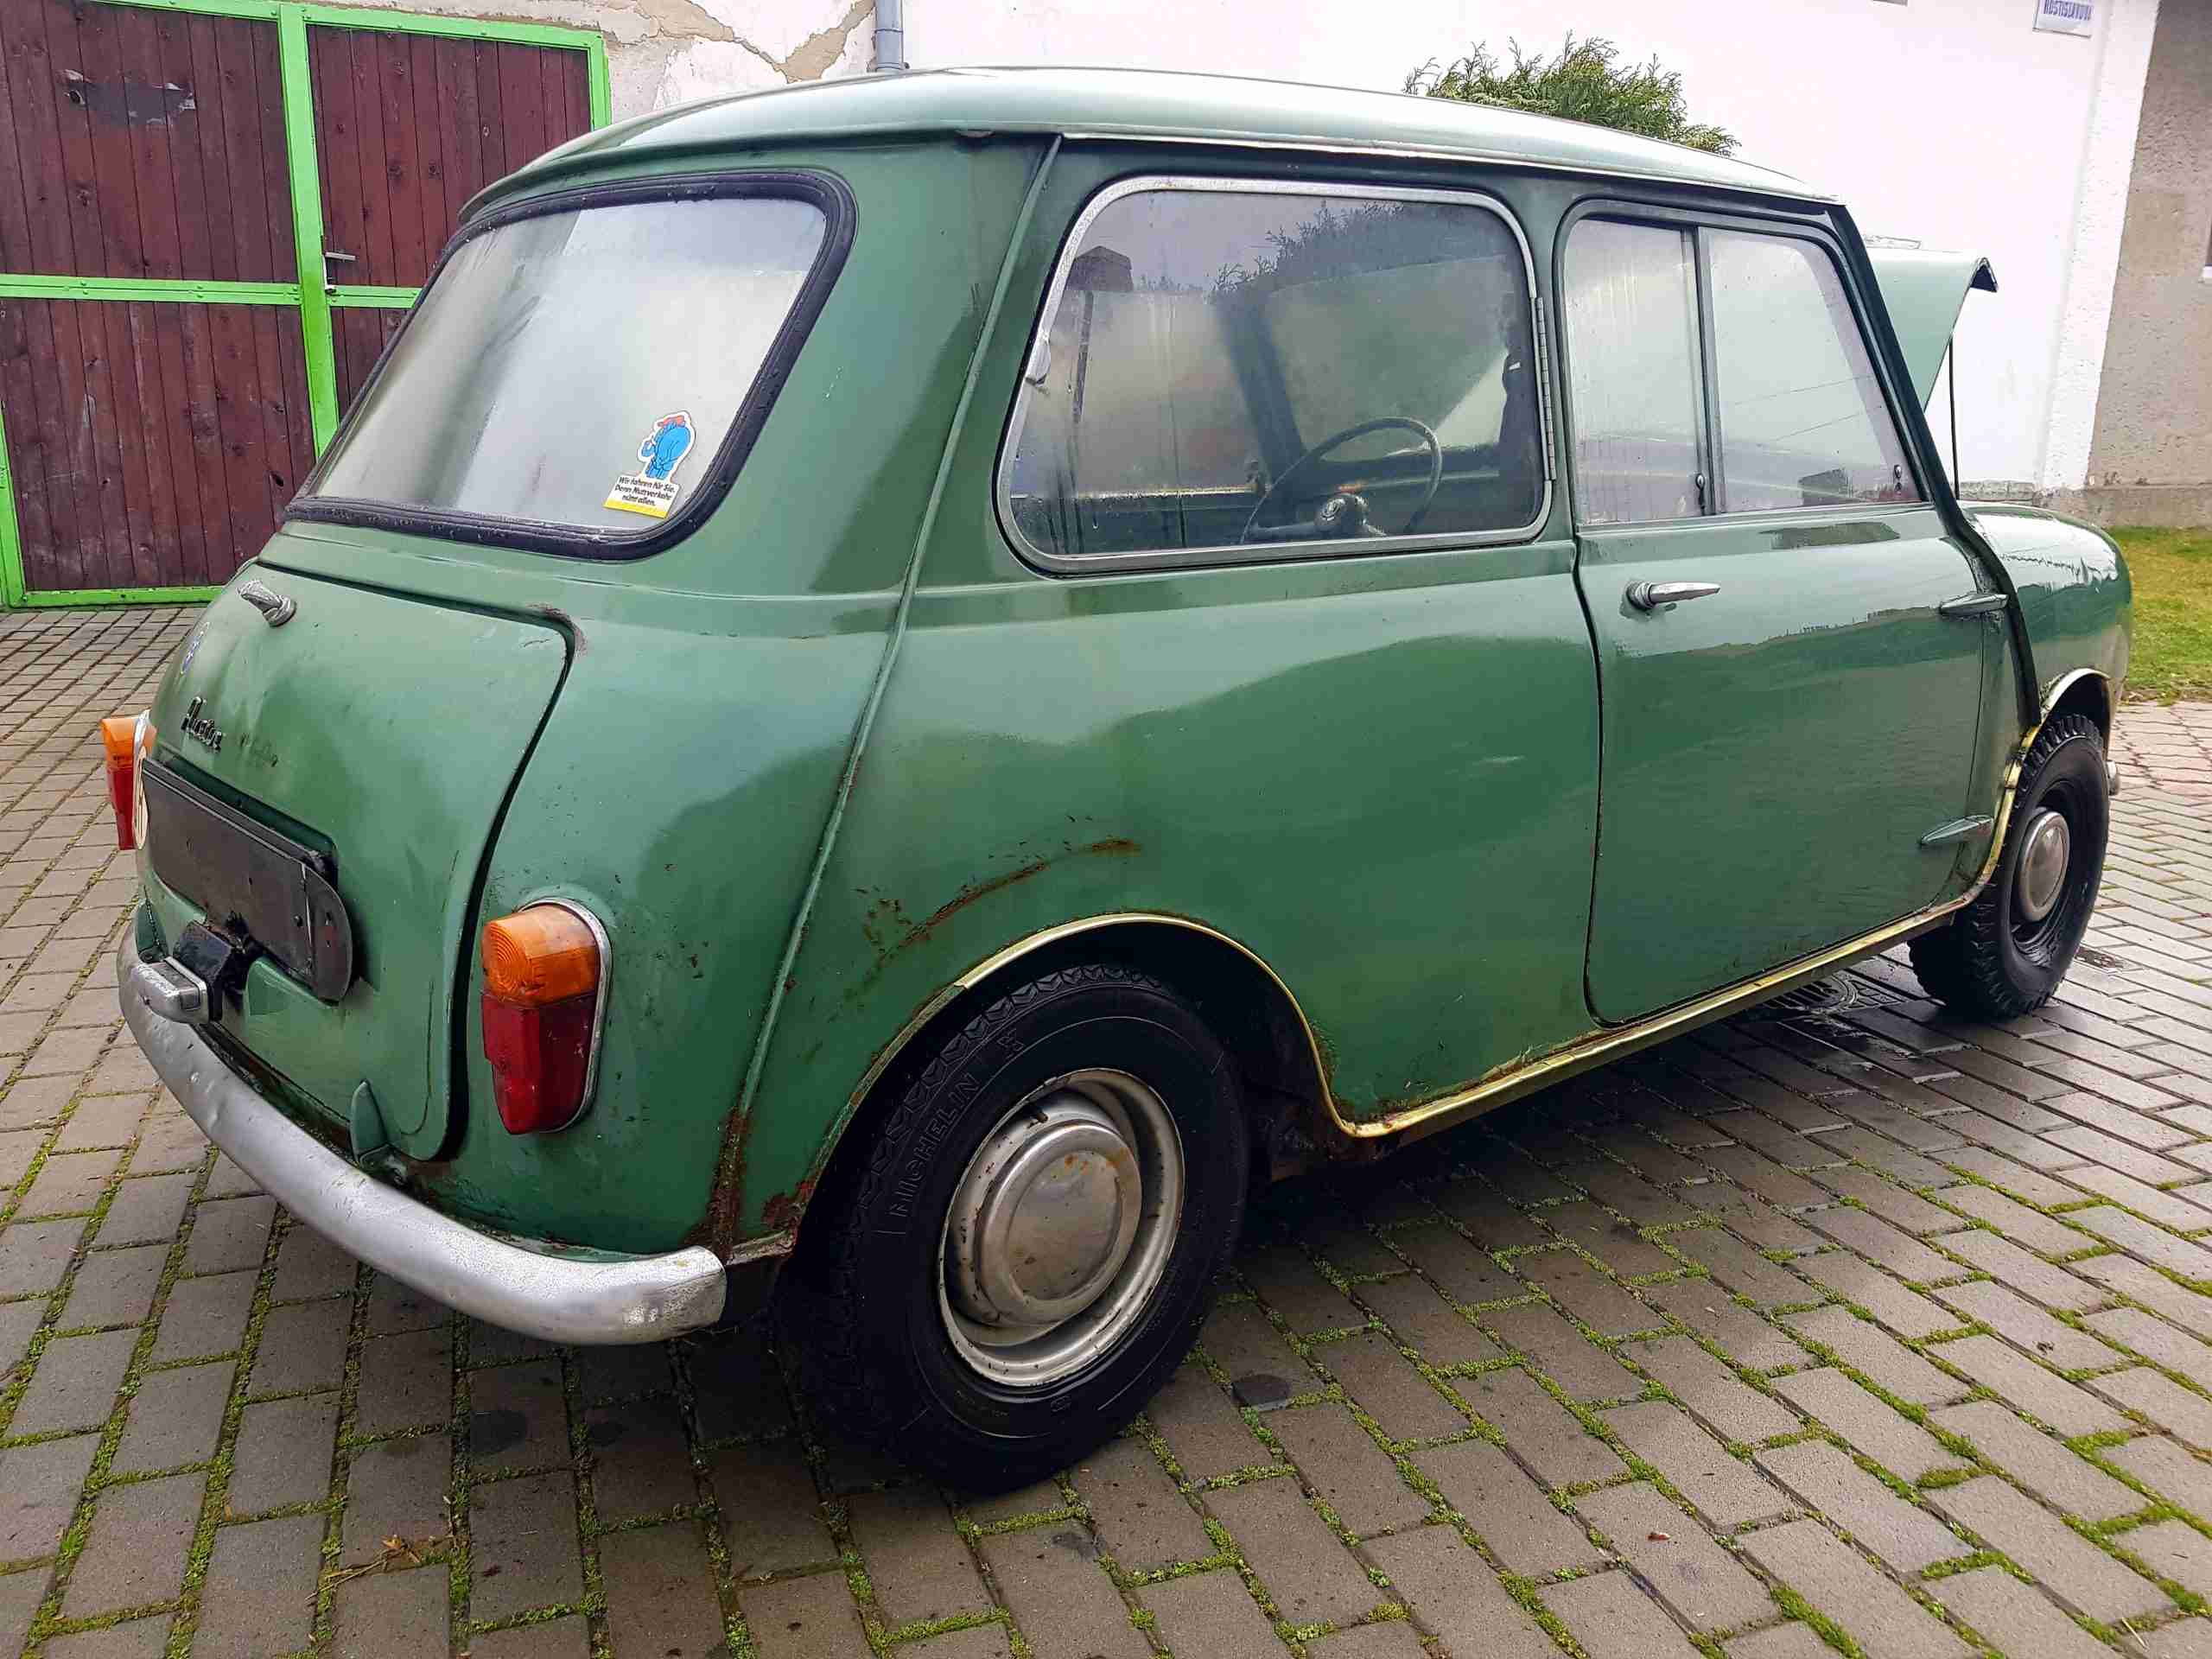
pixel 663 52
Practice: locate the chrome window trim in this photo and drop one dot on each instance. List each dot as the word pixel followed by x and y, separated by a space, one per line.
pixel 1782 190
pixel 1038 349
pixel 1752 518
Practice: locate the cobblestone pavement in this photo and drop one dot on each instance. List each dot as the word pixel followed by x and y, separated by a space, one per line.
pixel 2172 745
pixel 1845 1325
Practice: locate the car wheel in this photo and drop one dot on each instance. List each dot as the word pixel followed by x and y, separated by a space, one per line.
pixel 2006 952
pixel 1025 1251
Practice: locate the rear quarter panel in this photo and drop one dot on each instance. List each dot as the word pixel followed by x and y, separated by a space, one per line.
pixel 678 792
pixel 681 784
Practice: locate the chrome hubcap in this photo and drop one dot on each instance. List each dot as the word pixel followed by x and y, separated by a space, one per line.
pixel 2045 845
pixel 1061 1227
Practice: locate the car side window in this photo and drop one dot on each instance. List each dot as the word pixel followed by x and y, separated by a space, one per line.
pixel 1630 300
pixel 1713 371
pixel 1224 370
pixel 1802 421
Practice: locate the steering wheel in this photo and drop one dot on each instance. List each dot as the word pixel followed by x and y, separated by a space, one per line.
pixel 1345 513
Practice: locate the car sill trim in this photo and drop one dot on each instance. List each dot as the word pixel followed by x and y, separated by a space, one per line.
pixel 1422 1118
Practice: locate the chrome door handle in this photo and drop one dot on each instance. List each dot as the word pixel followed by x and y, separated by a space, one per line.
pixel 1650 595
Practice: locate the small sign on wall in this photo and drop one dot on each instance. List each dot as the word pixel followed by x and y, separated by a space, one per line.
pixel 2066 16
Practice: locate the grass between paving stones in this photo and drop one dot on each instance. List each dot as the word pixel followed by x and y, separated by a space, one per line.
pixel 2103 1536
pixel 214 1496
pixel 1821 1625
pixel 1296 1634
pixel 1910 1491
pixel 1526 1591
pixel 48 1620
pixel 2172 573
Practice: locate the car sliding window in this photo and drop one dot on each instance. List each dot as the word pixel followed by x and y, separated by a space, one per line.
pixel 1630 306
pixel 1663 321
pixel 1803 422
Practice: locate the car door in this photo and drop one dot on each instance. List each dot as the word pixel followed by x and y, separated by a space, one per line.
pixel 1342 712
pixel 1789 719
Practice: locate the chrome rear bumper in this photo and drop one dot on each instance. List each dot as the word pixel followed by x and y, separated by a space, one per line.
pixel 522 1284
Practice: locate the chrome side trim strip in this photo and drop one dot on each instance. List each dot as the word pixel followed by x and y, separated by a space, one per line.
pixel 1516 1079
pixel 1594 1048
pixel 519 1284
pixel 1784 188
pixel 1508 1082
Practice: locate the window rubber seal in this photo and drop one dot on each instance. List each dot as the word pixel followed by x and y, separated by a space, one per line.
pixel 827 191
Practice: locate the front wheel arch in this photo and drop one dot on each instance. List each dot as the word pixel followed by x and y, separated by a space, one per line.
pixel 1996 957
pixel 2085 692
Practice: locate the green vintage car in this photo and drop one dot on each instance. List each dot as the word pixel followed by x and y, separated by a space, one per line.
pixel 904 688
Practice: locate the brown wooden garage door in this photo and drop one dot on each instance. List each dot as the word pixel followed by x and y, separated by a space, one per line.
pixel 165 380
pixel 413 126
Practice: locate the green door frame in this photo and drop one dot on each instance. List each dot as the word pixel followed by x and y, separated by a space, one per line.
pixel 314 296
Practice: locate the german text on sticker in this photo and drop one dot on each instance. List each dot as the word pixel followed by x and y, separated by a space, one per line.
pixel 652 489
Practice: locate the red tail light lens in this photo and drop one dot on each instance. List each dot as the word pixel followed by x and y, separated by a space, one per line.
pixel 119 739
pixel 545 992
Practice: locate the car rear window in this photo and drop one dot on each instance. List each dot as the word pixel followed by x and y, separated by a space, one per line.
pixel 585 378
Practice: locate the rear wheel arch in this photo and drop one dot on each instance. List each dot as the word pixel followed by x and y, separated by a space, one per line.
pixel 1249 1009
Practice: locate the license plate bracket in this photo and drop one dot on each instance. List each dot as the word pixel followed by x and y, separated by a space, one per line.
pixel 252 881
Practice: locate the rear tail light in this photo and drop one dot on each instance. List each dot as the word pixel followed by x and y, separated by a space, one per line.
pixel 126 738
pixel 544 998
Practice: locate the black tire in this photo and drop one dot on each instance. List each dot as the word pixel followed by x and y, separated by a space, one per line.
pixel 1992 961
pixel 867 1312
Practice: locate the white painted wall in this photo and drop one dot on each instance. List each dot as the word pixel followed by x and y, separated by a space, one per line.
pixel 1952 122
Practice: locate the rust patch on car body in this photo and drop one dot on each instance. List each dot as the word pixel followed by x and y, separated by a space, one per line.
pixel 783 1210
pixel 891 910
pixel 560 619
pixel 890 932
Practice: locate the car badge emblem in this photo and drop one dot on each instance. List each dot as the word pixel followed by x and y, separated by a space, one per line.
pixel 199 728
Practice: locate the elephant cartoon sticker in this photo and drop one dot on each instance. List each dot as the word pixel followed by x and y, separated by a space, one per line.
pixel 652 489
